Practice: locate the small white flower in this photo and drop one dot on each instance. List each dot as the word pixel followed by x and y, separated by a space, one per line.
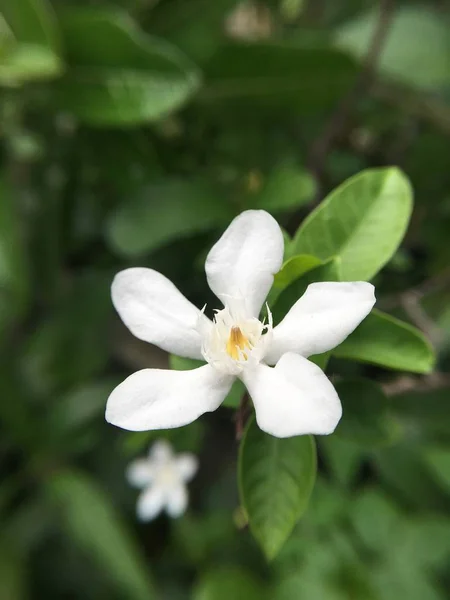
pixel 163 477
pixel 293 398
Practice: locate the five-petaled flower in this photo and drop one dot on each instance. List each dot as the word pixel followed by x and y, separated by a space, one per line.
pixel 292 398
pixel 163 477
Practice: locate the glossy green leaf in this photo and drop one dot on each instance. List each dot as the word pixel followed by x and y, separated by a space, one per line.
pixel 286 187
pixel 276 75
pixel 388 342
pixel 292 269
pixel 276 478
pixel 362 222
pixel 234 396
pixel 366 417
pixel 93 524
pixel 32 22
pixel 225 583
pixel 165 212
pixel 425 63
pixel 120 76
pixel 326 271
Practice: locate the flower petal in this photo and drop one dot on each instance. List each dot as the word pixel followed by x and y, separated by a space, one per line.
pixel 162 399
pixel 139 473
pixel 243 262
pixel 293 398
pixel 160 453
pixel 155 311
pixel 321 319
pixel 186 465
pixel 177 501
pixel 150 503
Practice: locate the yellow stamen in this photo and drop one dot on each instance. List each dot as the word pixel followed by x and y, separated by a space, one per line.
pixel 237 341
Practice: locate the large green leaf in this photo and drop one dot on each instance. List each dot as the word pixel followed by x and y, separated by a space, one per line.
pixel 386 341
pixel 226 583
pixel 276 478
pixel 425 63
pixel 13 265
pixel 119 75
pixel 276 75
pixel 93 524
pixel 292 269
pixel 164 212
pixel 366 417
pixel 362 222
pixel 32 22
pixel 310 273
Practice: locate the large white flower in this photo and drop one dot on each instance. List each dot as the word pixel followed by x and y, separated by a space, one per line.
pixel 163 477
pixel 293 398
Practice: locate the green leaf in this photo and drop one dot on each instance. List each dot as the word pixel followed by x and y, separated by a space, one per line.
pixel 292 269
pixel 374 517
pixel 286 187
pixel 120 76
pixel 72 344
pixel 28 62
pixel 13 575
pixel 425 63
pixel 326 271
pixel 438 460
pixel 226 583
pixel 14 283
pixel 343 457
pixel 276 478
pixel 145 222
pixel 93 524
pixel 402 469
pixel 275 75
pixel 424 416
pixel 388 342
pixel 366 417
pixel 362 222
pixel 32 22
pixel 234 396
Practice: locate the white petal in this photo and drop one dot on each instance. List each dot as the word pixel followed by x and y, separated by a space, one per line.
pixel 155 311
pixel 177 501
pixel 162 399
pixel 186 465
pixel 293 398
pixel 243 262
pixel 323 317
pixel 150 503
pixel 139 473
pixel 160 453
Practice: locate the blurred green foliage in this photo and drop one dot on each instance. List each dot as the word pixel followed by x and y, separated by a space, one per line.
pixel 132 131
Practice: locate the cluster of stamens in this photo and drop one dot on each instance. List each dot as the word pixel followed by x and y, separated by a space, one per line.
pixel 236 341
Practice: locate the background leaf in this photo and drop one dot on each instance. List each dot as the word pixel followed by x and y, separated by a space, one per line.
pixel 93 524
pixel 388 342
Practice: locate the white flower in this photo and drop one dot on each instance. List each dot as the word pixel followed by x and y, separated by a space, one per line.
pixel 163 477
pixel 293 398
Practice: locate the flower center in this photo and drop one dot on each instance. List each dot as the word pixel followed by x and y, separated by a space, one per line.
pixel 237 342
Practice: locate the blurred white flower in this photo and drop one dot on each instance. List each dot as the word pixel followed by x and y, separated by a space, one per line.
pixel 162 476
pixel 293 398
